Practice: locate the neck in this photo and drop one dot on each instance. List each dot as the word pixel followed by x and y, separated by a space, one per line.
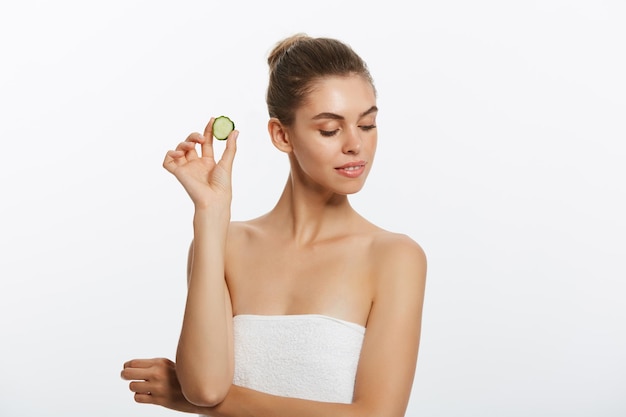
pixel 311 215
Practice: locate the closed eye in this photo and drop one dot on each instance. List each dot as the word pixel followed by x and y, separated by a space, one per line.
pixel 368 127
pixel 329 133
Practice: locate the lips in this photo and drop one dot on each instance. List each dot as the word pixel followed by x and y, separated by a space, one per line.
pixel 352 169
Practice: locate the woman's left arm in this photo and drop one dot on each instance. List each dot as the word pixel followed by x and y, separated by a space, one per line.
pixel 389 354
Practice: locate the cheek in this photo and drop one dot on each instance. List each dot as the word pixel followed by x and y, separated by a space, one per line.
pixel 306 158
pixel 314 152
pixel 314 162
pixel 371 145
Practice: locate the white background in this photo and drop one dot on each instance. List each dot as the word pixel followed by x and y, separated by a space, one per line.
pixel 501 151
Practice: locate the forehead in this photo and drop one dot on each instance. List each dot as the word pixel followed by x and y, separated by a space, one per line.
pixel 341 95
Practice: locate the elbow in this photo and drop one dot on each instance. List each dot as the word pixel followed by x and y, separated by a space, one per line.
pixel 200 384
pixel 205 396
pixel 205 390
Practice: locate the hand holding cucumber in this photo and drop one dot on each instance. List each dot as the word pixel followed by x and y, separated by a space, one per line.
pixel 207 181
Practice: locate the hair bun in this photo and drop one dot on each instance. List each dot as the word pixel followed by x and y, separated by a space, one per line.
pixel 283 46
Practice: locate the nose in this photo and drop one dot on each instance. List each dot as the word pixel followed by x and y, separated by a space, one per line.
pixel 352 142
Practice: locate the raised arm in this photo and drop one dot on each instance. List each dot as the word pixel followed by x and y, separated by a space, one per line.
pixel 204 359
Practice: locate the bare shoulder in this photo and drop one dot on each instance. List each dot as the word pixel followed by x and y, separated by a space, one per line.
pixel 241 234
pixel 397 261
pixel 238 233
pixel 239 229
pixel 389 248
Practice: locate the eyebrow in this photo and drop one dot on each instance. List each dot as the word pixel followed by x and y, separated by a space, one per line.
pixel 334 116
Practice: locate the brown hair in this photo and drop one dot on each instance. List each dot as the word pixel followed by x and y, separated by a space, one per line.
pixel 297 62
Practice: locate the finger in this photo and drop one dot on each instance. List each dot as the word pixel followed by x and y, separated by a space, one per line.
pixel 136 373
pixel 208 129
pixel 141 387
pixel 144 398
pixel 186 146
pixel 191 141
pixel 229 152
pixel 195 137
pixel 185 152
pixel 207 146
pixel 189 148
pixel 164 361
pixel 172 160
pixel 139 363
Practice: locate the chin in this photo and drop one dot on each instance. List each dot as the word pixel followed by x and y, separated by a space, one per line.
pixel 350 190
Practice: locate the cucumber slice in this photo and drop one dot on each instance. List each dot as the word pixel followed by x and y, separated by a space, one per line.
pixel 222 126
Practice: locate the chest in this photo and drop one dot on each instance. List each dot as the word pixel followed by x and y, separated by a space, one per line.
pixel 331 279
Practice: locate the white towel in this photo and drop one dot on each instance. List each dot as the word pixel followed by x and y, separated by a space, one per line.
pixel 305 356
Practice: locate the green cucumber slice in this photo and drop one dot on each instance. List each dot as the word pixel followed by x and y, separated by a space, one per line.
pixel 222 126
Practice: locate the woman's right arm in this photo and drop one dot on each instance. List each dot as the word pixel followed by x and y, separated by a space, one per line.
pixel 205 350
pixel 204 358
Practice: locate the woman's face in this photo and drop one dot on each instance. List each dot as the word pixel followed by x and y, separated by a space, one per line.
pixel 334 135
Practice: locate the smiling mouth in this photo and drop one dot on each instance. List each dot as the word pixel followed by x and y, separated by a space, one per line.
pixel 352 168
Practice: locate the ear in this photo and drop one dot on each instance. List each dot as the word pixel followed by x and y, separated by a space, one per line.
pixel 279 135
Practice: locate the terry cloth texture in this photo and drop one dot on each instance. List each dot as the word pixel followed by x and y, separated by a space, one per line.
pixel 305 356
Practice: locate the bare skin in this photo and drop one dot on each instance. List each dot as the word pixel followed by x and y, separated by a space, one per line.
pixel 311 254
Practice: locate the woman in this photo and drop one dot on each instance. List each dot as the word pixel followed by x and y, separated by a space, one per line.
pixel 310 309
